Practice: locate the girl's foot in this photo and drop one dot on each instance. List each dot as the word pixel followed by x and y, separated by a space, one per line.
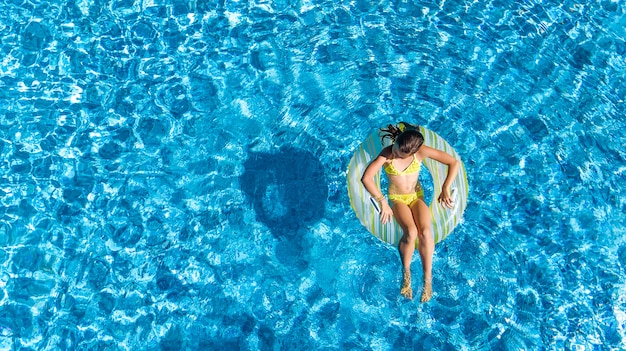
pixel 427 292
pixel 406 289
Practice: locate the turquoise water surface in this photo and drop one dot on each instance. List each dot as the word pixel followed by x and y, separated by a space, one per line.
pixel 173 174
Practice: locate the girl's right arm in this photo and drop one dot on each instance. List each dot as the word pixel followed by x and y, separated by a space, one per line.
pixel 368 181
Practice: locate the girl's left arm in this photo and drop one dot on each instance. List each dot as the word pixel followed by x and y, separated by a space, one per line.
pixel 453 169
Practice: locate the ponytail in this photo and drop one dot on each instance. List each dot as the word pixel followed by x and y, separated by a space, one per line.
pixel 392 131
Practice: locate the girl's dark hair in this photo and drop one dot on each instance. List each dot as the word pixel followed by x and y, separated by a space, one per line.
pixel 406 136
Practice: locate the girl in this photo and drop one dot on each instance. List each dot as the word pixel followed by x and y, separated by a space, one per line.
pixel 402 163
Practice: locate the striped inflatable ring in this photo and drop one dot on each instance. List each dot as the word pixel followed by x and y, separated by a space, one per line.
pixel 366 208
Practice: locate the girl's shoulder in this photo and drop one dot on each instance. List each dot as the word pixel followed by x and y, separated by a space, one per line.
pixel 386 152
pixel 424 152
pixel 435 154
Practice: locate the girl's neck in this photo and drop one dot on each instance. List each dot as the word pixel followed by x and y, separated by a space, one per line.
pixel 403 158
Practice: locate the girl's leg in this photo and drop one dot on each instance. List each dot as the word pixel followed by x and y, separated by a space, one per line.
pixel 406 247
pixel 426 244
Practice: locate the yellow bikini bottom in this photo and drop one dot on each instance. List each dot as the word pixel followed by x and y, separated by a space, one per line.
pixel 407 199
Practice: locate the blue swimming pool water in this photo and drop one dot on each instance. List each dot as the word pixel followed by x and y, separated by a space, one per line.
pixel 173 174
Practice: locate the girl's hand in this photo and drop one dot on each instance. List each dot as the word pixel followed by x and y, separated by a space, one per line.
pixel 385 212
pixel 445 199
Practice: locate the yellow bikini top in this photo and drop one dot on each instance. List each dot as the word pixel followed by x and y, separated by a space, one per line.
pixel 412 168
